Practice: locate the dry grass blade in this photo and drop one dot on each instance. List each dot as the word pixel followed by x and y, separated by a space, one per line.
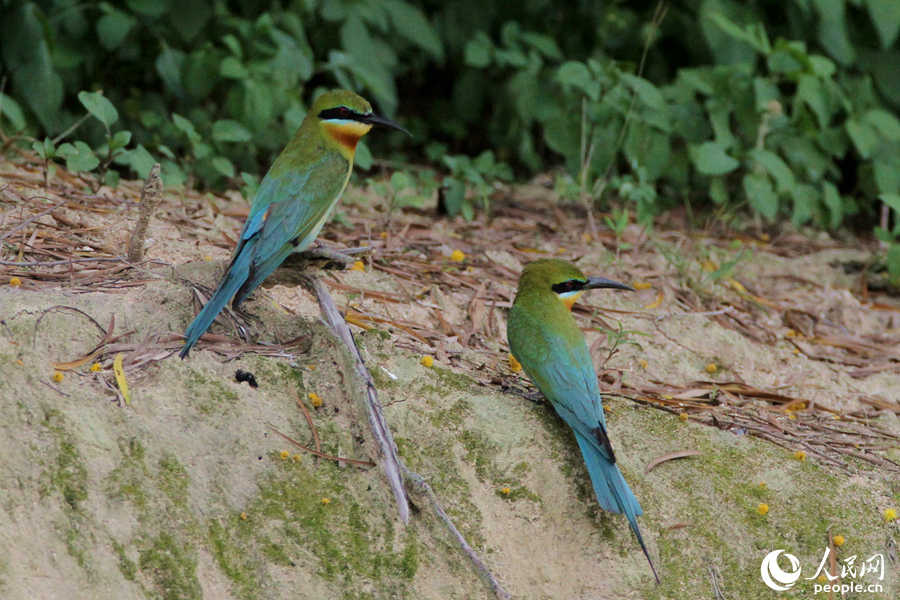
pixel 362 463
pixel 671 456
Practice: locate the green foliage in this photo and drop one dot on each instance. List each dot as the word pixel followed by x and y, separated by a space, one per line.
pixel 784 109
pixel 472 180
pixel 210 90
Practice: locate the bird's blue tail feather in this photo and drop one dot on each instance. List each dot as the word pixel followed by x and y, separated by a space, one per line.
pixel 234 278
pixel 613 493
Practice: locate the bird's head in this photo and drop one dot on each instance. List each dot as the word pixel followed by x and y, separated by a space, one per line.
pixel 344 117
pixel 561 278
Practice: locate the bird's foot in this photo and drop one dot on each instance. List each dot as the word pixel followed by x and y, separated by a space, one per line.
pixel 333 259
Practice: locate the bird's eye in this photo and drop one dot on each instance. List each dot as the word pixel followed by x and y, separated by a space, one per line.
pixel 570 285
pixel 345 112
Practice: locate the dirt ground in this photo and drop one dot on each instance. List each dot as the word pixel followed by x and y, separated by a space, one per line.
pixel 769 352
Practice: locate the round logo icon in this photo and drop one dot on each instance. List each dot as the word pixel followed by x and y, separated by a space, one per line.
pixel 774 577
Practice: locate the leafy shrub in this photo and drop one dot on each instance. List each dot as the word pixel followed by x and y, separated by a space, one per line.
pixel 785 108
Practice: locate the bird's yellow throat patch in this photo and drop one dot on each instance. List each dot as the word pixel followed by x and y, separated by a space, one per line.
pixel 346 134
pixel 570 298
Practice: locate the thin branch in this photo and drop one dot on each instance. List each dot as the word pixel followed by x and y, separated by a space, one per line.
pixel 417 485
pixel 388 449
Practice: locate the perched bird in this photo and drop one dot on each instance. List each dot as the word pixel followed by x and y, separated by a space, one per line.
pixel 294 199
pixel 545 339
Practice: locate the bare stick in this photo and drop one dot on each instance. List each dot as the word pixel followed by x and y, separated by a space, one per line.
pixel 388 449
pixel 150 198
pixel 393 465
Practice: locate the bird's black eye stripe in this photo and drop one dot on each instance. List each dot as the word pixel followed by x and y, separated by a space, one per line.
pixel 341 112
pixel 570 285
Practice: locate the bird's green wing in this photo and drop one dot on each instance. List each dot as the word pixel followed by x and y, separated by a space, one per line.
pixel 289 210
pixel 560 365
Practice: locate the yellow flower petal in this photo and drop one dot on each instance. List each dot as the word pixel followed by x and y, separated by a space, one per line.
pixel 285 455
pixel 838 540
pixel 427 361
pixel 119 371
pixel 15 281
pixel 762 508
pixel 514 365
pixel 358 266
pixel 458 256
pixel 315 399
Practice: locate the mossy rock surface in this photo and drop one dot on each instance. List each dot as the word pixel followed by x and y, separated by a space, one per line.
pixel 184 493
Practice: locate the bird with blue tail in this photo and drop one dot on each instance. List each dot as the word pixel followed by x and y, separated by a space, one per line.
pixel 545 339
pixel 294 199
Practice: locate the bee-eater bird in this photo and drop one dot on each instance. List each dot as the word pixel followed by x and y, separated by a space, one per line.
pixel 294 199
pixel 545 339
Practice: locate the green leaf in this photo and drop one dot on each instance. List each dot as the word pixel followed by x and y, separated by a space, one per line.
pixel 468 211
pixel 223 166
pixel 45 149
pixel 231 67
pixel 119 140
pixel 760 195
pixel 113 27
pixel 646 92
pixel 363 158
pixel 884 122
pixel 401 181
pixel 833 30
pixel 100 107
pixel 892 200
pixel 111 178
pixel 12 111
pixel 886 167
pixel 718 191
pixel 893 263
pixel 544 44
pixel 765 91
pixel 227 130
pixel 576 74
pixel 811 91
pixel 26 53
pixel 822 67
pixel 885 15
pixel 187 127
pixel 710 158
pixel 454 196
pixel 168 66
pixel 479 50
pixel 79 157
pixel 864 137
pixel 833 203
pixel 754 33
pixel 139 160
pixel 777 168
pixel 412 24
pixel 806 200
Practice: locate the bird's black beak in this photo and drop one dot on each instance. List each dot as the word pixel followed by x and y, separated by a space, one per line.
pixel 594 283
pixel 374 119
